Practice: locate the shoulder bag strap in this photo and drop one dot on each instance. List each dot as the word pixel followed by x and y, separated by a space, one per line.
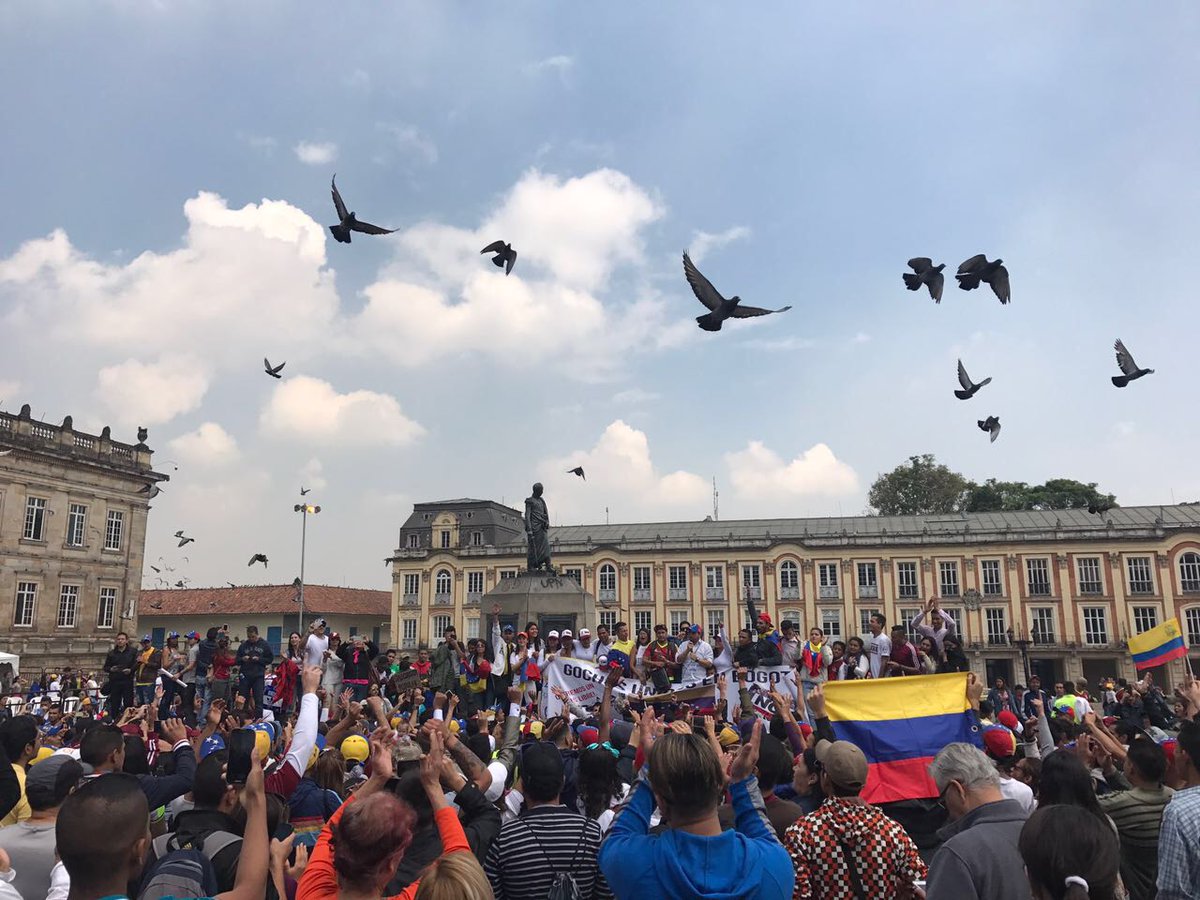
pixel 852 868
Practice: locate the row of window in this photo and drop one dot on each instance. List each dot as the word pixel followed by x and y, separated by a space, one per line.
pixel 25 605
pixel 77 516
pixel 1043 630
pixel 444 539
pixel 1139 571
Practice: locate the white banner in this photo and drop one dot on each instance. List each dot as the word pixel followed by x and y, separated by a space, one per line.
pixel 584 684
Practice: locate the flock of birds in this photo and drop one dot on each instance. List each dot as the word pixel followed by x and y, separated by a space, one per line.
pixel 970 275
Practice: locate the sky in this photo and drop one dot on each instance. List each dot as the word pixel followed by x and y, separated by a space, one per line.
pixel 167 169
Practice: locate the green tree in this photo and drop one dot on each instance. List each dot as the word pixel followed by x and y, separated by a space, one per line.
pixel 1057 493
pixel 922 486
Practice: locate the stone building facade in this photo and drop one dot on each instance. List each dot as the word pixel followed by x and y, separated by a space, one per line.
pixel 72 539
pixel 1056 592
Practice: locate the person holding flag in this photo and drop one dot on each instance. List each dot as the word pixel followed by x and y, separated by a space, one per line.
pixel 1157 646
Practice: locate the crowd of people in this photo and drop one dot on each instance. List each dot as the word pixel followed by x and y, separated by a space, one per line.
pixel 335 769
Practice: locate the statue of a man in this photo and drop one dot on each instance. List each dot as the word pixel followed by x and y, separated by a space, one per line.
pixel 537 532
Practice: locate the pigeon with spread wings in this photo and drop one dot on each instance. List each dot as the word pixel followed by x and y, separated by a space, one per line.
pixel 505 256
pixel 977 269
pixel 273 371
pixel 719 308
pixel 578 470
pixel 347 222
pixel 1128 366
pixel 969 387
pixel 991 425
pixel 258 558
pixel 926 274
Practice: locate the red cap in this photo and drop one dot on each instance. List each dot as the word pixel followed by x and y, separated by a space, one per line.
pixel 1007 719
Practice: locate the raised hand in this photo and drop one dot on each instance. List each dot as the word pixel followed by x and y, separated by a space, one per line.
pixel 747 756
pixel 816 701
pixel 381 741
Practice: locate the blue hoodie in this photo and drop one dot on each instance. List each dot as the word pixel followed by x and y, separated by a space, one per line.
pixel 747 863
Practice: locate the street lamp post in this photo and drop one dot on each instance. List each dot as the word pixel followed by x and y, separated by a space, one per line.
pixel 1022 643
pixel 305 509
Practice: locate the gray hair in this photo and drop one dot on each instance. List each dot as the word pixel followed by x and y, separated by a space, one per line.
pixel 964 763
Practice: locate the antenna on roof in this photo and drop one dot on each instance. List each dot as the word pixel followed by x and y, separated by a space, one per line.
pixel 716 501
pixel 606 515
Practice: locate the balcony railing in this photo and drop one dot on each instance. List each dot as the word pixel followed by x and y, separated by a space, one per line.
pixel 474 598
pixel 1039 589
pixel 949 590
pixel 751 593
pixel 412 599
pixel 714 593
pixel 1091 587
pixel 642 595
pixel 1141 587
pixel 607 595
pixel 829 592
pixel 443 600
pixel 677 594
pixel 992 590
pixel 1044 638
pixel 1190 587
pixel 998 640
pixel 908 591
pixel 868 591
pixel 789 593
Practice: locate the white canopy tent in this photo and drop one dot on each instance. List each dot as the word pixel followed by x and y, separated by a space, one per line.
pixel 12 659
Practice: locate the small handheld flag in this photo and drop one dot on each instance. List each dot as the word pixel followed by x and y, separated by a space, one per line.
pixel 1157 646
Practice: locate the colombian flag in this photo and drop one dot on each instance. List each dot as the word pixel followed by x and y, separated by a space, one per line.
pixel 1157 646
pixel 900 724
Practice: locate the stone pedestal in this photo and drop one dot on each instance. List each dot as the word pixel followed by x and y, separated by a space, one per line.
pixel 552 601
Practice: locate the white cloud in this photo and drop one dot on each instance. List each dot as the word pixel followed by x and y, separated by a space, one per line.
pixel 634 396
pixel 209 445
pixel 560 64
pixel 312 475
pixel 758 473
pixel 621 473
pixel 151 393
pixel 314 153
pixel 703 241
pixel 309 409
pixel 411 141
pixel 8 392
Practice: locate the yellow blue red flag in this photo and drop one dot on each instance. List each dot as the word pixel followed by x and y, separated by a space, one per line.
pixel 1158 645
pixel 900 724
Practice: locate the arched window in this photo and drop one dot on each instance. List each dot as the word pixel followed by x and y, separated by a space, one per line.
pixel 789 574
pixel 442 582
pixel 1189 571
pixel 608 577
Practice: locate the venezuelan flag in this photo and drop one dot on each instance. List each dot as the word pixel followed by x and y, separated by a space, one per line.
pixel 900 724
pixel 1158 645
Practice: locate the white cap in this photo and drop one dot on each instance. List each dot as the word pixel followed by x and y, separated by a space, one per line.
pixel 567 633
pixel 583 632
pixel 552 634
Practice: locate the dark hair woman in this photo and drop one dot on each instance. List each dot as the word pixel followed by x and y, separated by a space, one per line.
pixel 1069 854
pixel 956 660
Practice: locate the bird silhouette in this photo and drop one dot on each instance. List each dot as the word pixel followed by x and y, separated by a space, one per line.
pixel 505 256
pixel 927 274
pixel 991 425
pixel 258 557
pixel 157 570
pixel 153 490
pixel 183 540
pixel 304 491
pixel 347 222
pixel 1128 366
pixel 977 269
pixel 154 605
pixel 578 470
pixel 1100 507
pixel 969 387
pixel 273 371
pixel 231 584
pixel 180 584
pixel 719 308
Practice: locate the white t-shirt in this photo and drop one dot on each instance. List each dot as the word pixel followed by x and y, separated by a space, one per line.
pixel 588 652
pixel 693 672
pixel 314 649
pixel 878 648
pixel 1019 791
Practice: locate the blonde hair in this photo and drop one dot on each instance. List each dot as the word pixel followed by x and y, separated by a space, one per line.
pixel 454 876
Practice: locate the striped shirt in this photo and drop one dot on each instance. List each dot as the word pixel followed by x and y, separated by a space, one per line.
pixel 1137 815
pixel 1179 847
pixel 531 849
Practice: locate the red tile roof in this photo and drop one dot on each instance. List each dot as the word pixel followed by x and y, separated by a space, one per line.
pixel 268 598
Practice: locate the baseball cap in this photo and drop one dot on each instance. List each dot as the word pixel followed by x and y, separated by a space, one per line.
pixel 356 748
pixel 566 632
pixel 695 629
pixel 145 638
pixel 844 762
pixel 541 761
pixel 583 632
pixel 999 742
pixel 48 783
pixel 508 628
pixel 764 618
pixel 552 634
pixel 211 745
pixel 1008 720
pixel 193 635
pixel 534 728
pixel 589 735
pixel 727 737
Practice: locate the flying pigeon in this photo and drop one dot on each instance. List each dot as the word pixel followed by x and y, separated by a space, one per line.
pixel 1100 507
pixel 258 557
pixel 296 582
pixel 184 541
pixel 152 489
pixel 273 371
pixel 977 269
pixel 157 605
pixel 1128 366
pixel 142 434
pixel 231 584
pixel 720 309
pixel 347 221
pixel 992 425
pixel 578 470
pixel 157 570
pixel 969 387
pixel 304 490
pixel 927 274
pixel 180 584
pixel 505 256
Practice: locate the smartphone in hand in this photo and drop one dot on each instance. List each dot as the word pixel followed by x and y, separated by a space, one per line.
pixel 240 744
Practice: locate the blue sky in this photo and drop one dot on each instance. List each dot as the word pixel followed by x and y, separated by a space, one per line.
pixel 803 156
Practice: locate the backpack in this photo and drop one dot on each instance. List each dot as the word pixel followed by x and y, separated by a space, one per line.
pixel 181 873
pixel 563 886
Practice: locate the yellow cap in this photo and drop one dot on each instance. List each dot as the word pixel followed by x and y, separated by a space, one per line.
pixel 262 743
pixel 356 748
pixel 43 753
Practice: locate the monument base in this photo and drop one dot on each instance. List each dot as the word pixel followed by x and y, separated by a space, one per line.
pixel 554 602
